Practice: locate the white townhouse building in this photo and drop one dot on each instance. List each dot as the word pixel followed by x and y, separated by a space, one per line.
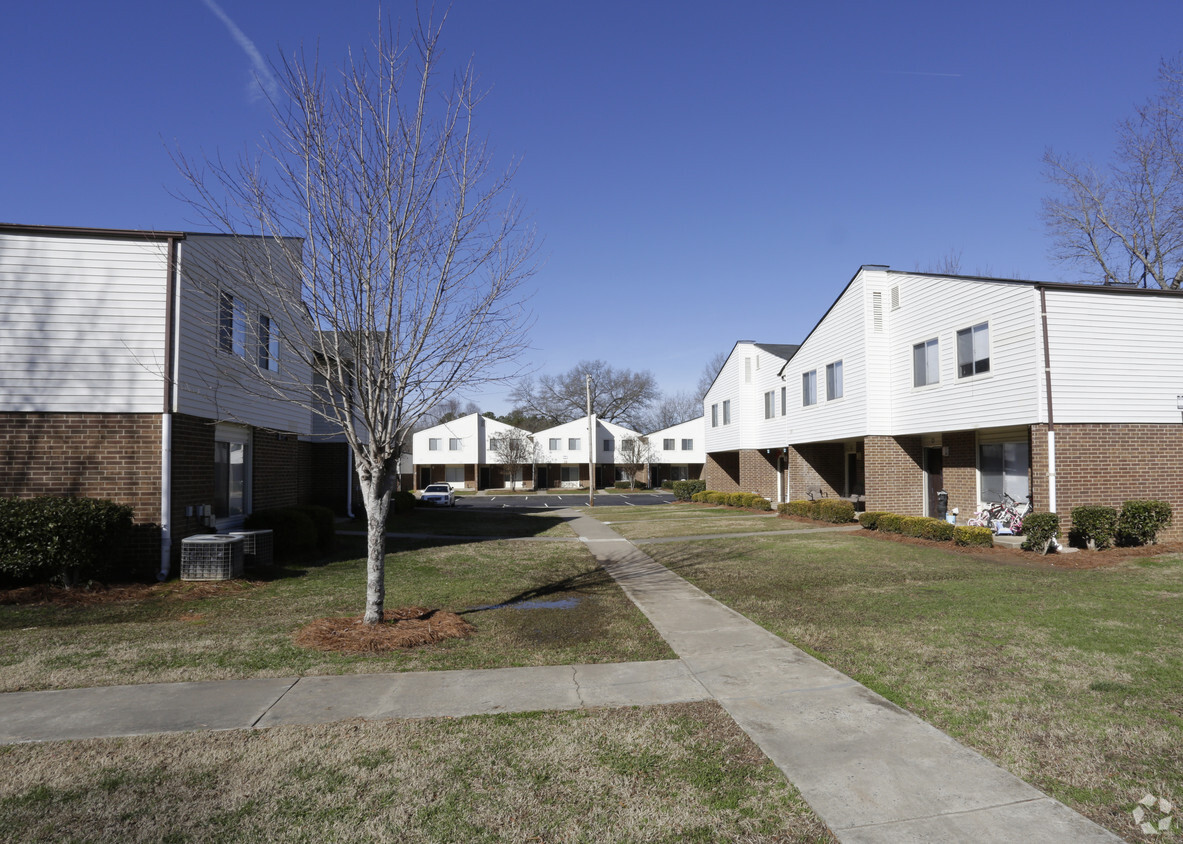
pixel 564 456
pixel 913 383
pixel 138 366
pixel 462 453
pixel 677 453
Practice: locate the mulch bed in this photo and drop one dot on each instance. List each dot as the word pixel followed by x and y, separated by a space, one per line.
pixel 402 628
pixel 95 593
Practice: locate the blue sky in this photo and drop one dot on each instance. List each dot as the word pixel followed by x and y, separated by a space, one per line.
pixel 699 172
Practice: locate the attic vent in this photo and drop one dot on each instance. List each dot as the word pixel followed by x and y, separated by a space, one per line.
pixel 747 370
pixel 895 297
pixel 877 311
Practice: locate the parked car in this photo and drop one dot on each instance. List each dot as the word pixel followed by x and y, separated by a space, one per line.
pixel 440 494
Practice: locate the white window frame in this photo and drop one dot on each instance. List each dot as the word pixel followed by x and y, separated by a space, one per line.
pixel 574 443
pixel 809 388
pixel 607 445
pixel 727 412
pixel 979 350
pixel 714 415
pixel 236 435
pixel 455 444
pixel 770 404
pixel 784 400
pixel 834 380
pixel 928 351
pixel 556 443
pixel 688 445
pixel 667 444
pixel 433 443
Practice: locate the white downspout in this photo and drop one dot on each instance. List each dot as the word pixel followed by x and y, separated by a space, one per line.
pixel 166 495
pixel 172 361
pixel 1051 420
pixel 1051 469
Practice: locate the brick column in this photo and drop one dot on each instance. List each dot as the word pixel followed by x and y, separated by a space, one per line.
pixel 895 479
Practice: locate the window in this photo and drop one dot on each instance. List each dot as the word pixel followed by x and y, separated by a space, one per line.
pixel 679 473
pixel 230 339
pixel 770 404
pixel 1004 469
pixel 747 370
pixel 268 345
pixel 834 380
pixel 453 444
pixel 784 400
pixel 973 350
pixel 926 363
pixel 454 475
pixel 607 445
pixel 809 388
pixel 433 444
pixel 714 416
pixel 569 474
pixel 727 412
pixel 556 443
pixel 687 445
pixel 229 479
pixel 573 444
pixel 667 445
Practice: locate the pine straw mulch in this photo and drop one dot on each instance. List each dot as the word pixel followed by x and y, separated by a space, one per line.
pixel 406 627
pixel 94 593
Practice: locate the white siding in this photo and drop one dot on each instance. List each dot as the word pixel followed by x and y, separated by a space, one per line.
pixel 694 430
pixel 82 324
pixel 578 429
pixel 841 336
pixel 474 432
pixel 726 388
pixel 745 377
pixel 214 384
pixel 1009 394
pixel 1115 357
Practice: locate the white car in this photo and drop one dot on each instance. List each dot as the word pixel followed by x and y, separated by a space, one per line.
pixel 440 494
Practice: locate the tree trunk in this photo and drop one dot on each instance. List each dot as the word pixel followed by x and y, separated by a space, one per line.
pixel 375 492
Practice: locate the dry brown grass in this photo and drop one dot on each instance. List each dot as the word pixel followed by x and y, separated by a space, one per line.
pixel 672 773
pixel 405 627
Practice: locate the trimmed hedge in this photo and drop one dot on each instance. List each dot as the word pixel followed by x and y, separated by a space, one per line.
pixel 937 530
pixel 891 523
pixel 836 510
pixel 973 536
pixel 1039 529
pixel 686 490
pixel 913 526
pixel 64 539
pixel 870 520
pixel 325 523
pixel 1098 524
pixel 1140 521
pixel 667 485
pixel 403 501
pixel 293 531
pixel 629 485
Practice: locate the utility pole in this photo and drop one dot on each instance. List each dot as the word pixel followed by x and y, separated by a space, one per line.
pixel 591 450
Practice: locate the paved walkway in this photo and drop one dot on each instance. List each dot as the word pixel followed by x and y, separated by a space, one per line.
pixel 872 771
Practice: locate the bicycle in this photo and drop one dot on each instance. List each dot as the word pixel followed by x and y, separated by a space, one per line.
pixel 1002 517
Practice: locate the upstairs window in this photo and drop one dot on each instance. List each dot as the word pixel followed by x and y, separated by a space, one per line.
pixel 556 443
pixel 926 368
pixel 834 380
pixel 607 445
pixel 268 345
pixel 784 400
pixel 573 444
pixel 973 350
pixel 727 412
pixel 433 444
pixel 809 388
pixel 687 445
pixel 667 445
pixel 230 339
pixel 714 416
pixel 770 404
pixel 453 444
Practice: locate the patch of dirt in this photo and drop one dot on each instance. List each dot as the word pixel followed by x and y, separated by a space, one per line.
pixel 95 594
pixel 406 627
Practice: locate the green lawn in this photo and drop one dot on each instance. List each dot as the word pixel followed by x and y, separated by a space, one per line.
pixel 464 521
pixel 659 774
pixel 245 629
pixel 1073 680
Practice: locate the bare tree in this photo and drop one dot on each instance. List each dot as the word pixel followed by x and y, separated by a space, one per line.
pixel 709 372
pixel 617 395
pixel 671 409
pixel 633 455
pixel 514 450
pixel 1124 223
pixel 409 249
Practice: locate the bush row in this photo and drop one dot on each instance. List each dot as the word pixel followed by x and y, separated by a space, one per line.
pixel 298 530
pixel 923 527
pixel 683 490
pixel 750 500
pixel 1138 523
pixel 836 510
pixel 64 539
pixel 629 485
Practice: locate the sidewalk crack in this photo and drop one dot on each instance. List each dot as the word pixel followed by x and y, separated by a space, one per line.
pixel 578 690
pixel 274 703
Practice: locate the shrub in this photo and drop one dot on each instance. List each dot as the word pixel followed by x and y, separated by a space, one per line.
pixel 1039 529
pixel 686 490
pixel 759 502
pixel 802 509
pixel 325 523
pixel 737 499
pixel 1140 521
pixel 720 498
pixel 403 501
pixel 698 497
pixel 293 531
pixel 1098 524
pixel 913 526
pixel 667 485
pixel 938 530
pixel 870 520
pixel 973 536
pixel 629 485
pixel 891 523
pixel 68 539
pixel 836 510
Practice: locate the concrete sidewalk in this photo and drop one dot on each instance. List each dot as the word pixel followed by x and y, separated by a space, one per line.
pixel 872 771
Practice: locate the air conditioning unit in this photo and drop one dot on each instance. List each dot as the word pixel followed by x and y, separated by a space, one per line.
pixel 211 557
pixel 257 547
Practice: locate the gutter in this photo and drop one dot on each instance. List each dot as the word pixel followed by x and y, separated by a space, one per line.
pixel 1051 420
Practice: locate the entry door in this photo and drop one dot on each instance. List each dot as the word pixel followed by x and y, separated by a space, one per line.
pixel 934 466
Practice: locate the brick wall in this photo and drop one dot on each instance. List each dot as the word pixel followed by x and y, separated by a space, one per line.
pixel 95 455
pixel 274 479
pixel 960 472
pixel 721 472
pixel 192 476
pixel 817 465
pixel 895 479
pixel 1109 464
pixel 757 472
